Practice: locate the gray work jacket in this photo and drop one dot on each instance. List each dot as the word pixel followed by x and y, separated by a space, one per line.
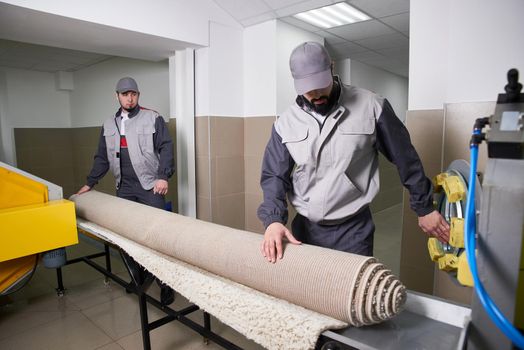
pixel 329 172
pixel 139 137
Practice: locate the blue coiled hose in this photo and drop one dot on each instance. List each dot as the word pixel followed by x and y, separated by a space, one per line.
pixel 470 227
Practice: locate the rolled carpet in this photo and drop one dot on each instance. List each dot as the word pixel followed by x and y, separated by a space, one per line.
pixel 349 287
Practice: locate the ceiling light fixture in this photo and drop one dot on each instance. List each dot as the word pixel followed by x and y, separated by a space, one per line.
pixel 332 16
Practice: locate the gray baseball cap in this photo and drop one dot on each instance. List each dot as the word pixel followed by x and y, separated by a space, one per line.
pixel 126 84
pixel 310 67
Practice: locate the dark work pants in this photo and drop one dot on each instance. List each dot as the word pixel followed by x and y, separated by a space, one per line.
pixel 136 193
pixel 355 235
pixel 133 191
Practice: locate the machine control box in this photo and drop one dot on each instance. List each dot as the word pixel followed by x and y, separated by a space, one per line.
pixel 505 137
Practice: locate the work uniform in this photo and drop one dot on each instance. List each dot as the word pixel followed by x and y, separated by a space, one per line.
pixel 328 168
pixel 139 151
pixel 136 146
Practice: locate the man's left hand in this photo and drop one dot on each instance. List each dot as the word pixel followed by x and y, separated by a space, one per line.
pixel 435 225
pixel 160 187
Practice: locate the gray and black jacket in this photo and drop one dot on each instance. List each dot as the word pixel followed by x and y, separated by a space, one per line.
pixel 149 145
pixel 329 172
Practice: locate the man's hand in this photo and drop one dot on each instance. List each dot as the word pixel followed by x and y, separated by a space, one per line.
pixel 435 225
pixel 271 246
pixel 160 187
pixel 84 189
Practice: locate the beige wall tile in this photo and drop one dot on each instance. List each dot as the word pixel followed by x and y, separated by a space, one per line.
pixel 417 278
pixel 447 287
pixel 203 180
pixel 25 138
pixel 228 176
pixel 227 137
pixel 253 166
pixel 460 118
pixel 253 224
pixel 204 208
pixel 202 136
pixel 257 131
pixel 425 129
pixel 229 210
pixel 414 253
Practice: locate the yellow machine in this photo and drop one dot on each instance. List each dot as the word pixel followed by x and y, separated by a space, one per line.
pixel 33 219
pixel 451 187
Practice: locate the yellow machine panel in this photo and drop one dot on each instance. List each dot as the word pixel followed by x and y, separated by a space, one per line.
pixel 17 190
pixel 30 223
pixel 14 270
pixel 36 228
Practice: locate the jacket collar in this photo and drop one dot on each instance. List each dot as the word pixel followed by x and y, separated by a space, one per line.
pixel 132 113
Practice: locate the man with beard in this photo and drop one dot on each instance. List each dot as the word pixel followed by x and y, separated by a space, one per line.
pixel 323 156
pixel 135 144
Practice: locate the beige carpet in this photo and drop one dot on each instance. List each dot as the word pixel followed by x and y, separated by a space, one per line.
pixel 271 322
pixel 347 287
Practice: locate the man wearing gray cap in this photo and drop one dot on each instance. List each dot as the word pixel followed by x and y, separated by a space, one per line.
pixel 323 156
pixel 136 146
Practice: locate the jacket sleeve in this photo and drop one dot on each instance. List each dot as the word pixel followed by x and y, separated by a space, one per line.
pixel 100 164
pixel 164 147
pixel 275 181
pixel 395 144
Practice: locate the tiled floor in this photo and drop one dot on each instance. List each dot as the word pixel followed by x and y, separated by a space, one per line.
pixel 94 315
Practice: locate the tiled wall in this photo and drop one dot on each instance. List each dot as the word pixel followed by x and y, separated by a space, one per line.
pixel 47 153
pixel 219 181
pixel 416 269
pixel 64 156
pixel 440 136
pixel 220 170
pixel 256 135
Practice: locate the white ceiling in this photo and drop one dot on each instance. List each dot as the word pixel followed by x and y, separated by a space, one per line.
pixel 16 54
pixel 382 41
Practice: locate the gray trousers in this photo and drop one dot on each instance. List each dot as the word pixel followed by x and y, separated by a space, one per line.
pixel 355 235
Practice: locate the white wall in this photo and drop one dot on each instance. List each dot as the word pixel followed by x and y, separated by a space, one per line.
pixel 93 99
pixel 460 51
pixel 268 83
pixel 288 37
pixel 219 73
pixel 391 86
pixel 31 101
pixel 260 66
pixel 174 19
pixel 342 68
pixel 202 93
pixel 226 84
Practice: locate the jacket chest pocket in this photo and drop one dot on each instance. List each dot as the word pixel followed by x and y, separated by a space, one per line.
pixel 297 143
pixel 111 140
pixel 354 138
pixel 145 138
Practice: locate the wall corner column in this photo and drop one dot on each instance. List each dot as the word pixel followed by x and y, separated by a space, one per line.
pixel 182 106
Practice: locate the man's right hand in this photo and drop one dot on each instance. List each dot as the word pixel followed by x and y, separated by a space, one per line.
pixel 84 189
pixel 271 246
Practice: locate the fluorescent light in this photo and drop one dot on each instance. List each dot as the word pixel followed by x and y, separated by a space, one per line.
pixel 308 17
pixel 352 11
pixel 332 15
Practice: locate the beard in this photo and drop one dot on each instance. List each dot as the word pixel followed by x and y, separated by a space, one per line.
pixel 322 108
pixel 129 110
